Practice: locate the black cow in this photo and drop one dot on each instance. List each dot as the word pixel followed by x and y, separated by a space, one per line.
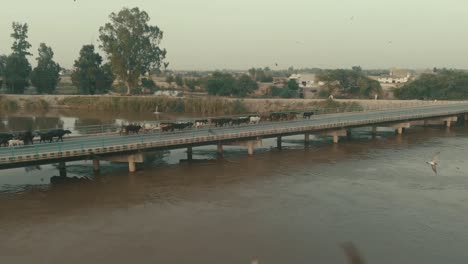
pixel 130 129
pixel 4 137
pixel 308 114
pixel 181 125
pixel 49 135
pixel 240 120
pixel 27 137
pixel 221 121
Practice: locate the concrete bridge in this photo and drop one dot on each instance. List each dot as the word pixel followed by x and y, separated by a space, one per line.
pixel 129 148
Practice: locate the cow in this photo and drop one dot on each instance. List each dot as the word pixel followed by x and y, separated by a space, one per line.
pixel 27 137
pixel 130 129
pixel 254 119
pixel 181 125
pixel 291 116
pixel 240 120
pixel 59 133
pixel 15 142
pixel 44 137
pixel 307 114
pixel 200 123
pixel 5 137
pixel 221 121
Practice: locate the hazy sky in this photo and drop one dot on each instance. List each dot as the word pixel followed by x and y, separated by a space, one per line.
pixel 238 34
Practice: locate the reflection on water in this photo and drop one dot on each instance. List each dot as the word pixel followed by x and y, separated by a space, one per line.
pixel 292 206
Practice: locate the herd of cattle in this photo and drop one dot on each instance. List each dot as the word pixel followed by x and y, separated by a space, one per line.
pixel 216 122
pixel 27 138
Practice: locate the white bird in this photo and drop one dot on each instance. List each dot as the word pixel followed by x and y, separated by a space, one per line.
pixel 434 162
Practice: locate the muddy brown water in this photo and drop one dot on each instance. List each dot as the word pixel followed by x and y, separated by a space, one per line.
pixel 291 206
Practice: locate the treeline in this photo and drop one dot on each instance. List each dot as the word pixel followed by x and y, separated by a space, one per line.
pixel 347 83
pixel 130 43
pixel 442 84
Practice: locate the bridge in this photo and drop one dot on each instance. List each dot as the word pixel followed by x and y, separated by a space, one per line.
pixel 129 148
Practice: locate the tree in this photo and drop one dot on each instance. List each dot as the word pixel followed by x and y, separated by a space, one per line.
pixel 17 67
pixel 292 85
pixel 45 76
pixel 350 83
pixel 3 61
pixel 220 84
pixel 20 35
pixel 132 45
pixel 89 75
pixel 179 81
pixel 191 83
pixel 17 73
pixel 170 79
pixel 244 86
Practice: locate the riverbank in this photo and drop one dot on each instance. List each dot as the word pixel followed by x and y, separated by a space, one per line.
pixel 195 105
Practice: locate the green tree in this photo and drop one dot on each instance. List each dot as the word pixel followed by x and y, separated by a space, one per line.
pixel 292 85
pixel 220 84
pixel 191 83
pixel 244 86
pixel 45 76
pixel 169 79
pixel 3 61
pixel 20 35
pixel 89 75
pixel 17 67
pixel 350 83
pixel 179 81
pixel 17 72
pixel 132 45
pixel 445 84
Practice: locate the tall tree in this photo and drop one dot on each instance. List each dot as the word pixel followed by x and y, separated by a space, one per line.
pixel 3 60
pixel 17 67
pixel 132 45
pixel 20 35
pixel 89 75
pixel 45 76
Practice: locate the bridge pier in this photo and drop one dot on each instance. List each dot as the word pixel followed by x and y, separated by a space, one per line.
pixel 131 159
pixel 374 131
pixel 250 144
pixel 96 165
pixel 62 169
pixel 400 127
pixel 219 149
pixel 348 133
pixel 307 138
pixel 189 153
pixel 279 143
pixel 336 134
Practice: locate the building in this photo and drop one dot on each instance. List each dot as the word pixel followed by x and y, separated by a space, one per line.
pixel 395 76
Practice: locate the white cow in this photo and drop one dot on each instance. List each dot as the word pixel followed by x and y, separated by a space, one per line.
pixel 15 142
pixel 254 119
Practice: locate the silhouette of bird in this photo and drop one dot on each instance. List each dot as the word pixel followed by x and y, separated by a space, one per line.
pixel 434 162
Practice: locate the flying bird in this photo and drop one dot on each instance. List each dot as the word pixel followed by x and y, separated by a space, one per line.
pixel 434 162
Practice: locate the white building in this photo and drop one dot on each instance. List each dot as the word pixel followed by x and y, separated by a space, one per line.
pixel 304 80
pixel 396 76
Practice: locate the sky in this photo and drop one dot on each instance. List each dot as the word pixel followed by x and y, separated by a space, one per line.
pixel 240 34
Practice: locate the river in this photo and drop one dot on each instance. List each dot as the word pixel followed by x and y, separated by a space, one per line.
pixel 291 206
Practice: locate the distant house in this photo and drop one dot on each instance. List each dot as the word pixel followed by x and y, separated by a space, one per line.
pixel 304 80
pixel 395 76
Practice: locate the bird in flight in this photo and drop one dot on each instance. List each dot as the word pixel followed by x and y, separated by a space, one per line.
pixel 434 162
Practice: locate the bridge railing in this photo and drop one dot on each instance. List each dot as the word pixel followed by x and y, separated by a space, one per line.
pixel 318 122
pixel 110 129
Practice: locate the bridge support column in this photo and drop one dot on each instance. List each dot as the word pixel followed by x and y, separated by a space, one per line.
pixel 189 153
pixel 96 165
pixel 335 139
pixel 131 159
pixel 131 163
pixel 62 169
pixel 307 138
pixel 348 133
pixel 448 124
pixel 399 131
pixel 279 142
pixel 336 134
pixel 219 149
pixel 374 131
pixel 250 148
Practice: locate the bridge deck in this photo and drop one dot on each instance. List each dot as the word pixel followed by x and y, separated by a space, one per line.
pixel 85 147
